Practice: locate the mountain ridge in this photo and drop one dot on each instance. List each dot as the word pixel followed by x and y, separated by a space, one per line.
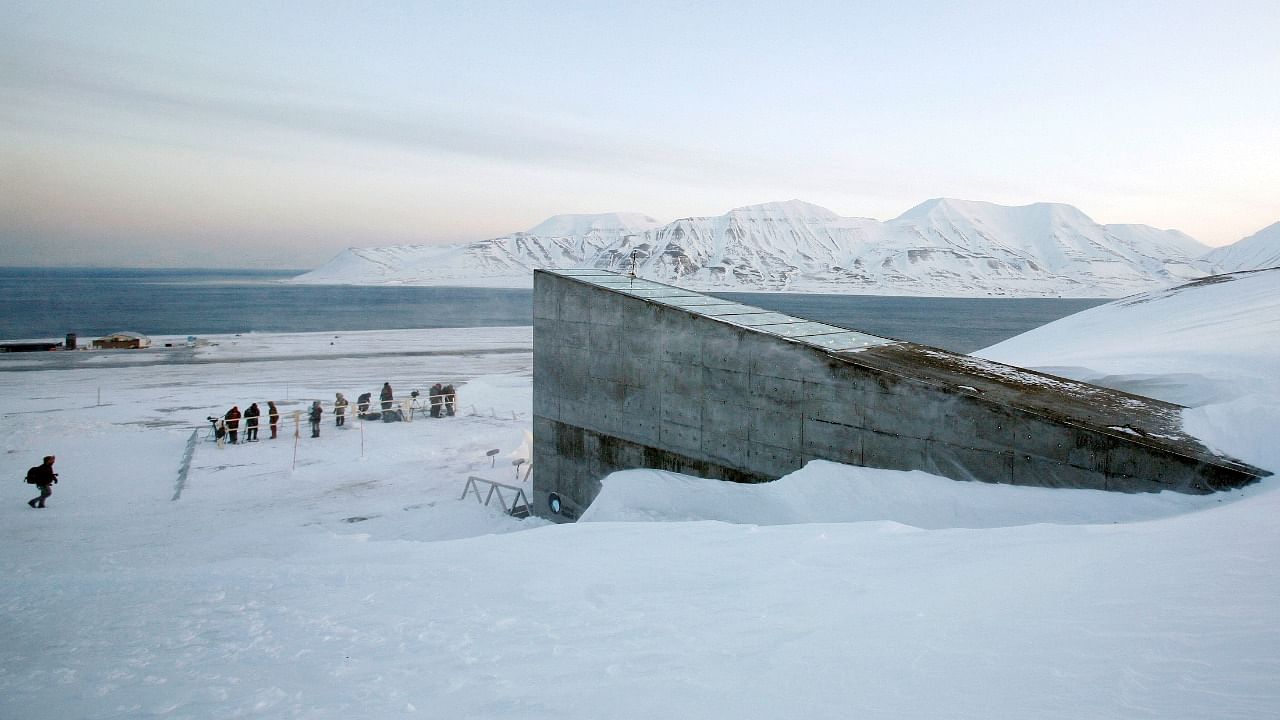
pixel 940 247
pixel 1258 251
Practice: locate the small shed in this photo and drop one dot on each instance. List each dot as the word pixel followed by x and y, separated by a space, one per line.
pixel 123 340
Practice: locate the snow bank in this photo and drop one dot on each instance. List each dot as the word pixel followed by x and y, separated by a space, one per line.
pixel 826 492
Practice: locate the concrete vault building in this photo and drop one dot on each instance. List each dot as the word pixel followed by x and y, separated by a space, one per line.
pixel 630 373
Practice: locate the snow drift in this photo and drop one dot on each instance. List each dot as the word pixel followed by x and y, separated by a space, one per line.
pixel 826 492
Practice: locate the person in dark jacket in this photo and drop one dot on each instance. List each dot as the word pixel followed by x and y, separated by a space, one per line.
pixel 233 423
pixel 450 398
pixel 362 404
pixel 386 397
pixel 314 417
pixel 273 416
pixel 251 423
pixel 437 399
pixel 340 410
pixel 42 476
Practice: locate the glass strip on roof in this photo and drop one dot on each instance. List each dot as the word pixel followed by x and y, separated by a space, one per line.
pixel 583 272
pixel 762 317
pixel 802 329
pixel 626 284
pixel 698 301
pixel 808 332
pixel 658 293
pixel 722 311
pixel 693 301
pixel 845 341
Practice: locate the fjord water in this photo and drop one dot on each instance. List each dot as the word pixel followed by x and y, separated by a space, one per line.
pixel 50 302
pixel 961 325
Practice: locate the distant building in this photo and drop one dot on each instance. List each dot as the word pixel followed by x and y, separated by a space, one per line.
pixel 28 347
pixel 123 340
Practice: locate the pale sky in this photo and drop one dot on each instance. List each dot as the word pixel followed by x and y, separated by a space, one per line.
pixel 275 134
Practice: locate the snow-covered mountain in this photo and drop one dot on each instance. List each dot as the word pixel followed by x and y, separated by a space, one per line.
pixel 561 241
pixel 940 247
pixel 1256 252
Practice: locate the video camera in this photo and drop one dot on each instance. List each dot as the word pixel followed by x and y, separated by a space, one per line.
pixel 413 394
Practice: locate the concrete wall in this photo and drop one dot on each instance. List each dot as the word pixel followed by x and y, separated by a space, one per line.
pixel 635 374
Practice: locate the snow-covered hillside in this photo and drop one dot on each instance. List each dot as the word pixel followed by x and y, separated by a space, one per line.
pixel 941 247
pixel 1258 251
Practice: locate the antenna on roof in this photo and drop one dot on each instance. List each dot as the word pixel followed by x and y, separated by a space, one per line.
pixel 635 260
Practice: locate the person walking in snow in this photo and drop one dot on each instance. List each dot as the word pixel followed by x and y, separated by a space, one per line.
pixel 340 410
pixel 233 423
pixel 273 416
pixel 385 396
pixel 251 423
pixel 43 477
pixel 314 417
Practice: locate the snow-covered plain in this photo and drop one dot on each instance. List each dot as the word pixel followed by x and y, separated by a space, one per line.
pixel 355 584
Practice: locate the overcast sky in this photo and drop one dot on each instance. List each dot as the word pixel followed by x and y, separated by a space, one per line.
pixel 275 134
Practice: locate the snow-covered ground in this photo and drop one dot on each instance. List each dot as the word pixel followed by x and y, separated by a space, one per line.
pixel 351 582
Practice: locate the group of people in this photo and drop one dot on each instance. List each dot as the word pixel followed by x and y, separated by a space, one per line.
pixel 387 399
pixel 442 398
pixel 227 427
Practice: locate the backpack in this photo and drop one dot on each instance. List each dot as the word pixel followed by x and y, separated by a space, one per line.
pixel 31 475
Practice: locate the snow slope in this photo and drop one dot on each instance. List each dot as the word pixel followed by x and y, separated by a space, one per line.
pixel 941 247
pixel 349 580
pixel 1213 345
pixel 1256 252
pixel 1208 341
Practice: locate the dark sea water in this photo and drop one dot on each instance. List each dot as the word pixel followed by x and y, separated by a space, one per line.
pixel 49 303
pixel 961 325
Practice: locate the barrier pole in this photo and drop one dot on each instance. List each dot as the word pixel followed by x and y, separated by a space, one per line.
pixel 297 433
